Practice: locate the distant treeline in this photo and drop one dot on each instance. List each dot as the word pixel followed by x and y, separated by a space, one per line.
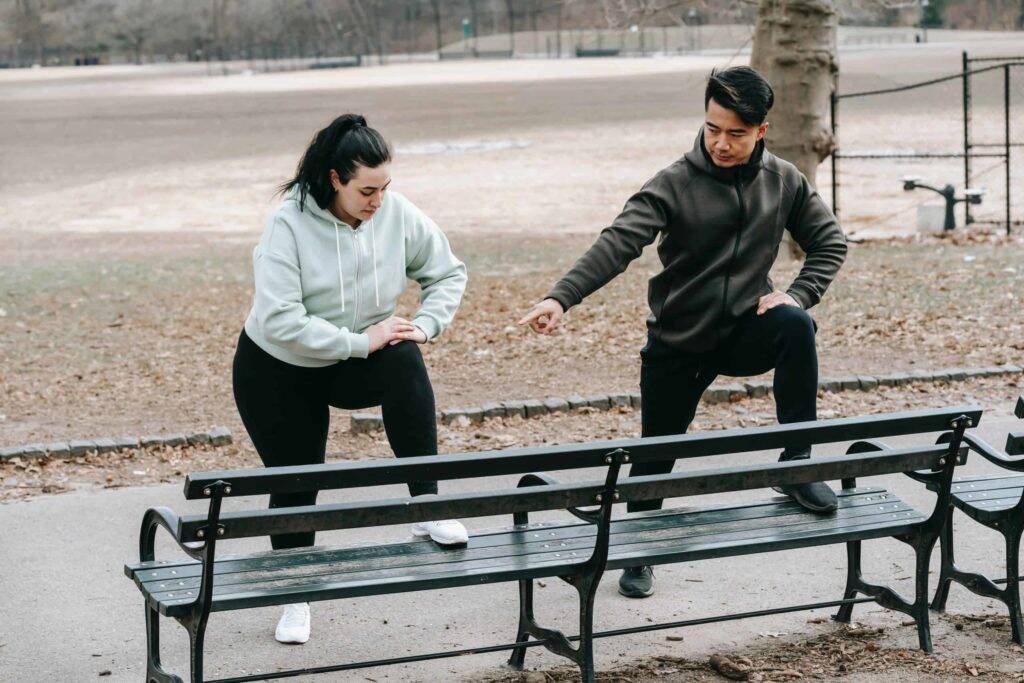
pixel 97 31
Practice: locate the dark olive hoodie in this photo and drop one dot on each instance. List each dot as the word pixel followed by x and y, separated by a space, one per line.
pixel 718 232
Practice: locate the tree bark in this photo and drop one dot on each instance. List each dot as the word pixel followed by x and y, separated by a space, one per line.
pixel 795 49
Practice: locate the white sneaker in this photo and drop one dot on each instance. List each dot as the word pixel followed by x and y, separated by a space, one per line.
pixel 293 626
pixel 445 532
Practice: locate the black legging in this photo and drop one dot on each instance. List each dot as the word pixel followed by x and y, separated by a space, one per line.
pixel 672 382
pixel 284 408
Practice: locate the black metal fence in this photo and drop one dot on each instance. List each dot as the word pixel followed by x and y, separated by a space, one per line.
pixel 971 149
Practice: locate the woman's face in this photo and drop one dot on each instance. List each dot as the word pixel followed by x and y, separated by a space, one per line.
pixel 361 196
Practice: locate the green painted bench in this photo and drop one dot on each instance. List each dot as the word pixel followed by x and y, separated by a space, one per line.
pixel 189 589
pixel 996 502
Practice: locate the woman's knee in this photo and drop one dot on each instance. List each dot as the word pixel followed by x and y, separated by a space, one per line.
pixel 402 351
pixel 404 358
pixel 793 322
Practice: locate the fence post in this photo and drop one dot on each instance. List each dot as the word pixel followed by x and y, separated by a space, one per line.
pixel 967 132
pixel 834 111
pixel 1006 138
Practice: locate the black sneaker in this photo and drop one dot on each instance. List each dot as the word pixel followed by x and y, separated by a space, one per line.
pixel 636 582
pixel 817 497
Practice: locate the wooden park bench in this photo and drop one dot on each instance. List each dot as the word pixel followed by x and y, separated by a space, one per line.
pixel 578 552
pixel 997 502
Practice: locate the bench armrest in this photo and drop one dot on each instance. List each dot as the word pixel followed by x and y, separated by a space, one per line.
pixel 995 457
pixel 537 479
pixel 541 479
pixel 931 479
pixel 1015 443
pixel 163 517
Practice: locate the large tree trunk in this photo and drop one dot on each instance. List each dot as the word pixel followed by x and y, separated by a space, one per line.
pixel 795 49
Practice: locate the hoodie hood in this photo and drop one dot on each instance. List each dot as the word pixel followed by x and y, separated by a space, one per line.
pixel 701 159
pixel 312 208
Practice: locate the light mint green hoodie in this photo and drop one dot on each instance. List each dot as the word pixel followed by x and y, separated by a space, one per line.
pixel 320 283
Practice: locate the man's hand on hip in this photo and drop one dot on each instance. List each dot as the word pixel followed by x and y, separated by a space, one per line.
pixel 769 301
pixel 544 317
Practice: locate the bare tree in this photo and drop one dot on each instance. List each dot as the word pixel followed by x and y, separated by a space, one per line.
pixel 510 5
pixel 436 6
pixel 29 28
pixel 795 49
pixel 639 13
pixel 135 22
pixel 474 19
pixel 366 17
pixel 218 24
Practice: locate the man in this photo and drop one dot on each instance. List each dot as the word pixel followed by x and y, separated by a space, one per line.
pixel 718 215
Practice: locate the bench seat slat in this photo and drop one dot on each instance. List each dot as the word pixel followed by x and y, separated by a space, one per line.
pixel 529 567
pixel 979 507
pixel 988 483
pixel 517 543
pixel 970 497
pixel 186 567
pixel 516 554
pixel 986 497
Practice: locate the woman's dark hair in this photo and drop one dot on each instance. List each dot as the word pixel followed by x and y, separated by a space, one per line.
pixel 743 90
pixel 342 146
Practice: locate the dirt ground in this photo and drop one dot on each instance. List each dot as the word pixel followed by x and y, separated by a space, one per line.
pixel 132 198
pixel 23 478
pixel 974 649
pixel 142 343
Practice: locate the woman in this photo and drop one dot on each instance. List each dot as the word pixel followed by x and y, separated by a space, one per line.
pixel 322 331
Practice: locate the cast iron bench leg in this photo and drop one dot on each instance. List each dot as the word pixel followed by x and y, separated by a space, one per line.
pixel 518 656
pixel 981 585
pixel 948 568
pixel 154 672
pixel 853 579
pixel 920 612
pixel 195 642
pixel 1013 582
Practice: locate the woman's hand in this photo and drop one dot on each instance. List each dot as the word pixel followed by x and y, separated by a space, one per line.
pixel 391 331
pixel 416 335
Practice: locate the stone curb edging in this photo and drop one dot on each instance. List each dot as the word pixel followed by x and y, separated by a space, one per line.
pixel 218 436
pixel 362 423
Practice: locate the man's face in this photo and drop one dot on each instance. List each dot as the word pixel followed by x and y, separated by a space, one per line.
pixel 728 139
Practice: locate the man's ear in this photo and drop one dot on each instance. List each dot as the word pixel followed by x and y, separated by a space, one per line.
pixel 761 130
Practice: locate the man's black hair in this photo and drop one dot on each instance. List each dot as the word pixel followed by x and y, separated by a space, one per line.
pixel 743 90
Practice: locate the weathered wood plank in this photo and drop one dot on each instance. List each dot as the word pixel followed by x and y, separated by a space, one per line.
pixel 561 496
pixel 572 456
pixel 533 566
pixel 687 516
pixel 540 543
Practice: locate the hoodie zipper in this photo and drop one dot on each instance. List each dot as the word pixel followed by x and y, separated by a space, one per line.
pixel 355 288
pixel 735 249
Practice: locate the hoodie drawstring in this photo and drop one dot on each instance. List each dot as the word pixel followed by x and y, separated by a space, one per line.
pixel 337 251
pixel 376 288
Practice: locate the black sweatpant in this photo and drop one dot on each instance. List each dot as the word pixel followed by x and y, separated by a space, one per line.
pixel 285 409
pixel 672 381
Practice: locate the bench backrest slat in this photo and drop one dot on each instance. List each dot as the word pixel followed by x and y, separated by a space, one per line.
pixel 572 456
pixel 561 496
